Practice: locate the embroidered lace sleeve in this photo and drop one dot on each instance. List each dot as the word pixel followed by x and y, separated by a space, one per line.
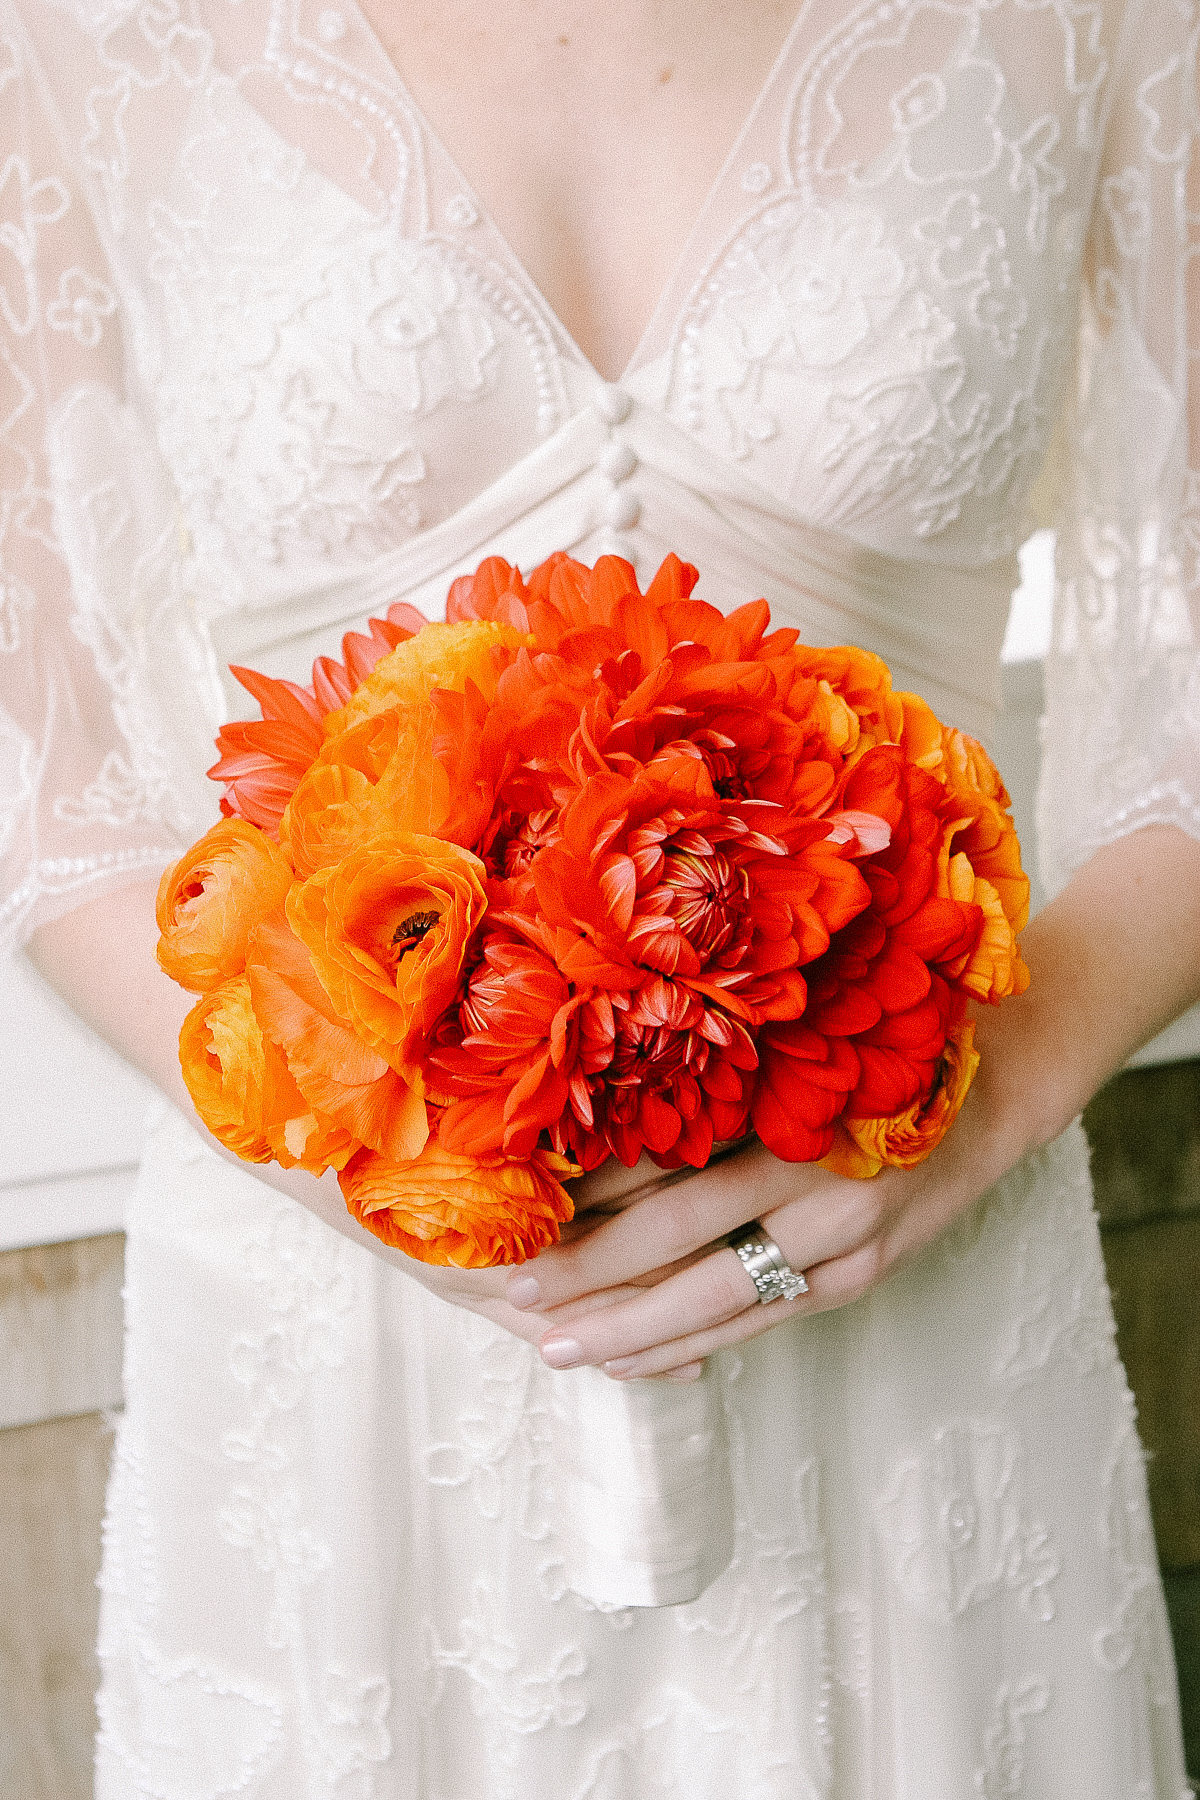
pixel 88 546
pixel 1122 745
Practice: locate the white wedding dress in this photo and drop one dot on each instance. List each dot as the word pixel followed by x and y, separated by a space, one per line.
pixel 266 364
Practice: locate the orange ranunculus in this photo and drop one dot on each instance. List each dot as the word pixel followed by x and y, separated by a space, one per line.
pixel 977 796
pixel 340 1077
pixel 440 656
pixel 902 1140
pixel 980 861
pixel 242 1090
pixel 864 682
pixel 923 735
pixel 333 808
pixel 223 1062
pixel 212 899
pixel 387 929
pixel 449 1209
pixel 397 770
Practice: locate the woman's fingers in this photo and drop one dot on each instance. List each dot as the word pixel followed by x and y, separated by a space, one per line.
pixel 714 1289
pixel 830 1285
pixel 688 1372
pixel 668 1226
pixel 820 1231
pixel 530 1328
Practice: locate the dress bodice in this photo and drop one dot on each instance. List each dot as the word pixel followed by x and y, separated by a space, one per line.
pixel 337 348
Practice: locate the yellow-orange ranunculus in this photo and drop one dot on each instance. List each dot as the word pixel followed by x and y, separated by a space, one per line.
pixel 387 929
pixel 864 682
pixel 439 656
pixel 980 864
pixel 864 1146
pixel 380 775
pixel 333 808
pixel 449 1209
pixel 923 735
pixel 242 1089
pixel 213 898
pixel 222 1058
pixel 968 773
pixel 995 968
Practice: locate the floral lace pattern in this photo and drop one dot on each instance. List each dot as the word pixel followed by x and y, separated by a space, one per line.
pixel 903 297
pixel 955 1530
pixel 1001 1775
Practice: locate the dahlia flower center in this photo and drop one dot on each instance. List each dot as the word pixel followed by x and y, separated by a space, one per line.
pixel 485 998
pixel 492 1009
pixel 653 1056
pixel 511 998
pixel 706 896
pixel 518 841
pixel 727 779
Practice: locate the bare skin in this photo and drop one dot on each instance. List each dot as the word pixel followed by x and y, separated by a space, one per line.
pixel 597 185
pixel 592 133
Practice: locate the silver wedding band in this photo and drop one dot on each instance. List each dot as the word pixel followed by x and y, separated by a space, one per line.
pixel 766 1265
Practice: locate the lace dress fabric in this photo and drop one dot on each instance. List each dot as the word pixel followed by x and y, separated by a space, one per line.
pixel 265 361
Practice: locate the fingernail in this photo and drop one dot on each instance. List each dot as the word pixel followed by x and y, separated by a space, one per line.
pixel 523 1290
pixel 562 1352
pixel 619 1367
pixel 692 1372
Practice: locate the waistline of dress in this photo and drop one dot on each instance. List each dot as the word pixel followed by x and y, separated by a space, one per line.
pixel 633 483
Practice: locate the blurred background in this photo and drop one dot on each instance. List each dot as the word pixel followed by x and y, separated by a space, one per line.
pixel 73 1118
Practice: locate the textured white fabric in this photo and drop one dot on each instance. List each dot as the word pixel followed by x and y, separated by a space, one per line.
pixel 261 351
pixel 334 1564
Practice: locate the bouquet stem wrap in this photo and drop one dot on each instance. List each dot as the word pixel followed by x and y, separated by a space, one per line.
pixel 643 1486
pixel 641 1469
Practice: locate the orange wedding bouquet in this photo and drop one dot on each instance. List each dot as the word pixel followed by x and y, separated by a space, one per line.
pixel 585 872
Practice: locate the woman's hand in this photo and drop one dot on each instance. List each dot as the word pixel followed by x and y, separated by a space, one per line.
pixel 654 1290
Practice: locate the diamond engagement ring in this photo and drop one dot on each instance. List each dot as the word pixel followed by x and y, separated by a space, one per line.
pixel 766 1265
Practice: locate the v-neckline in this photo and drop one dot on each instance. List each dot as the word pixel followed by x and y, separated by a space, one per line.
pixel 406 97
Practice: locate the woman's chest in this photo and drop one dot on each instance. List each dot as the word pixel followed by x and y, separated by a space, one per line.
pixel 869 313
pixel 594 134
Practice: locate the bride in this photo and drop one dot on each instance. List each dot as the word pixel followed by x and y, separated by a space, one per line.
pixel 827 302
